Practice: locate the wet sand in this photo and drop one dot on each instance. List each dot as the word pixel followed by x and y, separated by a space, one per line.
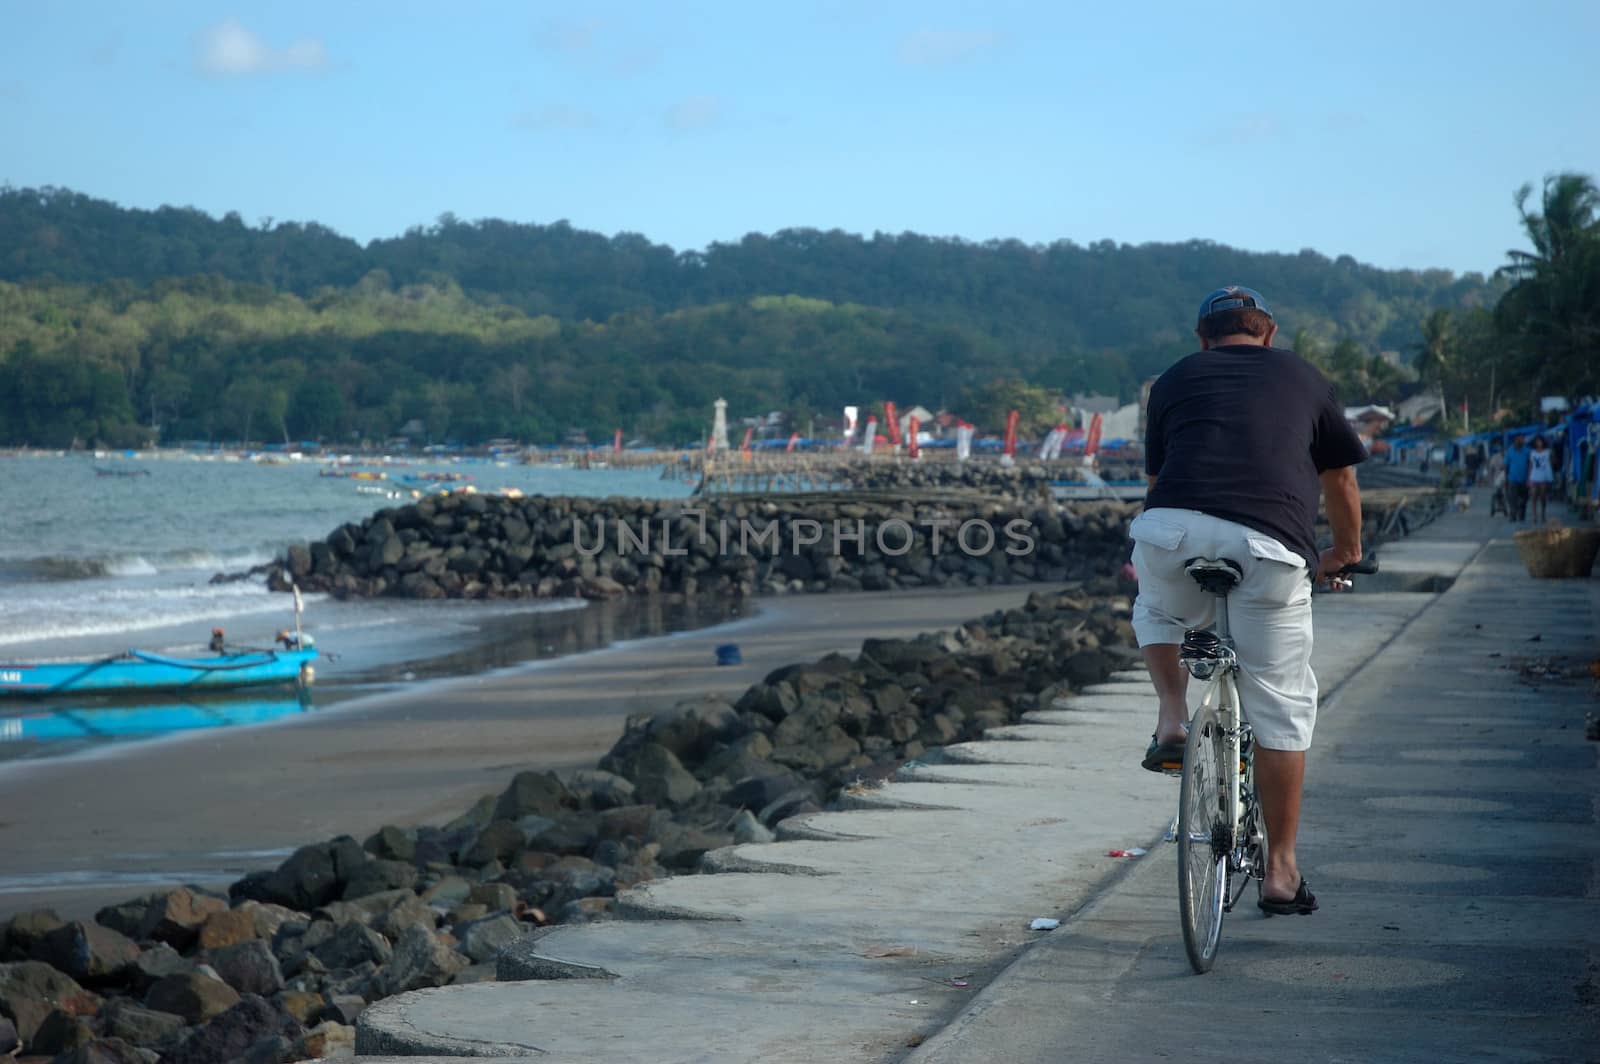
pixel 80 832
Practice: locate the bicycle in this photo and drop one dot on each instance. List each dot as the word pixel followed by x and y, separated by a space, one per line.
pixel 1220 831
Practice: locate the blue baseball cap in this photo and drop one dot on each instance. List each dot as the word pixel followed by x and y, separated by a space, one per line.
pixel 1233 297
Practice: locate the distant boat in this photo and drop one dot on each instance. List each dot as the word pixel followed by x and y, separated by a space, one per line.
pixel 139 670
pixel 1096 488
pixel 354 474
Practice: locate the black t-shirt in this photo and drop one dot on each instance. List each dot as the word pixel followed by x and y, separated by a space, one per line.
pixel 1242 433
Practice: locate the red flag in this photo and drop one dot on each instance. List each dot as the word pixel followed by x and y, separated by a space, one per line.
pixel 911 431
pixel 893 422
pixel 1092 444
pixel 1011 433
pixel 793 439
pixel 745 446
pixel 616 443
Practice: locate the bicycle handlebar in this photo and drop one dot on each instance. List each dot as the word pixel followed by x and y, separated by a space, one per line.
pixel 1365 567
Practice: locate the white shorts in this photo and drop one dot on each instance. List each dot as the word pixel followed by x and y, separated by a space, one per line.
pixel 1269 613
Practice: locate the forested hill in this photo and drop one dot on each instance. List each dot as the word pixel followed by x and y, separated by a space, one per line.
pixel 913 318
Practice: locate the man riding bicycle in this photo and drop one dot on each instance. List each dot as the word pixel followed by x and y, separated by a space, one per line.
pixel 1241 439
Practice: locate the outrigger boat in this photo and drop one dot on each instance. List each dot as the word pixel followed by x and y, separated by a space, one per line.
pixel 140 670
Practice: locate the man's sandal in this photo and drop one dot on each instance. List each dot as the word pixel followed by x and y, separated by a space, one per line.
pixel 1304 903
pixel 1163 757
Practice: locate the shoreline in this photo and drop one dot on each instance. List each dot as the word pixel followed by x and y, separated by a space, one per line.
pixel 189 806
pixel 378 658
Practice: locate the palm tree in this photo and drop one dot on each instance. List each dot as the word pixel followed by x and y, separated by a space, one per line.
pixel 1552 312
pixel 1571 206
pixel 1435 354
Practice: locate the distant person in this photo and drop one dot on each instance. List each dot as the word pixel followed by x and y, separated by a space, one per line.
pixel 1541 474
pixel 1241 440
pixel 1517 478
pixel 1497 482
pixel 1473 462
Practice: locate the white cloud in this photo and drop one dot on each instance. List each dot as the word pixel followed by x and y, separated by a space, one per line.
pixel 229 50
pixel 931 48
pixel 697 112
pixel 555 116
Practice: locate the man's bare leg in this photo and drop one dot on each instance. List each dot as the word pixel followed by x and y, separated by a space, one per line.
pixel 1172 687
pixel 1279 777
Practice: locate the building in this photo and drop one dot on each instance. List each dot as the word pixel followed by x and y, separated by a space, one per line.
pixel 1369 420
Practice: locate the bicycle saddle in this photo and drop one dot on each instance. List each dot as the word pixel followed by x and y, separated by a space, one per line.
pixel 1218 576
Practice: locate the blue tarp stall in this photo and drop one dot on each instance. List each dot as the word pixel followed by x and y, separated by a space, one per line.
pixel 1404 440
pixel 1497 440
pixel 1582 458
pixel 1576 439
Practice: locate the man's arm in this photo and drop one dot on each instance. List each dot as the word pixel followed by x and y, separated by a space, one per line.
pixel 1342 499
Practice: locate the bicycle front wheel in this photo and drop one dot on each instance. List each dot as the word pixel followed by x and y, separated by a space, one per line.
pixel 1203 840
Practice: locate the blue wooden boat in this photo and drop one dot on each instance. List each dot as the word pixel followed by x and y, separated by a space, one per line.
pixel 139 670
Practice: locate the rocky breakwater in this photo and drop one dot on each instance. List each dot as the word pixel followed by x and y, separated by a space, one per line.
pixel 1025 479
pixel 279 968
pixel 486 546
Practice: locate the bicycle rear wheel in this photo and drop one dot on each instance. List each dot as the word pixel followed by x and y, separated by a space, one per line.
pixel 1204 840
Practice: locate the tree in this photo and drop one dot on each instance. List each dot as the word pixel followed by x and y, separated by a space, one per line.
pixel 1350 369
pixel 492 328
pixel 1436 353
pixel 1552 312
pixel 988 406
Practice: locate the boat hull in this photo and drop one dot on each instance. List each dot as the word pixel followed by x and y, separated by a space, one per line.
pixel 139 671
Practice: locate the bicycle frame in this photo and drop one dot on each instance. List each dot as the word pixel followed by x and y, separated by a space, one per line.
pixel 1219 668
pixel 1223 691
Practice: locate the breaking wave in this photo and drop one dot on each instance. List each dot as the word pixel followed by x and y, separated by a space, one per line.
pixel 67 567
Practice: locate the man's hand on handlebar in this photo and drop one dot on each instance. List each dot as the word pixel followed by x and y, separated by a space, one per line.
pixel 1337 566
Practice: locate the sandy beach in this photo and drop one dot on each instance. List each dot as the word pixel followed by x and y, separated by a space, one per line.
pixel 81 832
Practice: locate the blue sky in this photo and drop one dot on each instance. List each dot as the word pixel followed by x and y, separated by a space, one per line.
pixel 1395 132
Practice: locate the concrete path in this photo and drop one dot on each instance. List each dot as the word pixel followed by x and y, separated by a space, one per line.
pixel 1450 835
pixel 883 920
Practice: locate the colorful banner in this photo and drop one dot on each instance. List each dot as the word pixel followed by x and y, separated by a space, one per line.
pixel 891 420
pixel 869 437
pixel 911 432
pixel 1011 433
pixel 1091 446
